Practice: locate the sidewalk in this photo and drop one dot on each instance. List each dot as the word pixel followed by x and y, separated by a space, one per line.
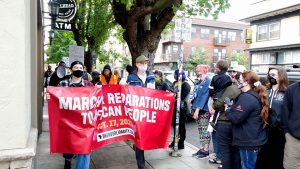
pixel 120 156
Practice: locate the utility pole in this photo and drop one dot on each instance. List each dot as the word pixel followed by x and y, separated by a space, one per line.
pixel 175 152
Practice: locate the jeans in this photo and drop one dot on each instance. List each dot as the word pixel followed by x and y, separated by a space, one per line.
pixel 248 158
pixel 82 162
pixel 216 145
pixel 230 156
pixel 140 158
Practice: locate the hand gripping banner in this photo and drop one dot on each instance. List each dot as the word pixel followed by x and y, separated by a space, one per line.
pixel 82 119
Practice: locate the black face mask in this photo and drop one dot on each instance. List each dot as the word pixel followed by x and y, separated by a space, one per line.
pixel 272 80
pixel 97 79
pixel 78 73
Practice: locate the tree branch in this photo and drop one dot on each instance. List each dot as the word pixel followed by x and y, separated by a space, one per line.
pixel 142 11
pixel 120 13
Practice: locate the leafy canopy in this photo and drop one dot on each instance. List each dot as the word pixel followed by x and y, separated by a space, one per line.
pixel 197 57
pixel 60 46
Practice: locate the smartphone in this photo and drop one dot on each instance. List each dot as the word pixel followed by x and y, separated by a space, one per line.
pixel 227 101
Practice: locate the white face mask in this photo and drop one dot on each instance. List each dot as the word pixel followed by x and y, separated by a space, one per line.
pixel 142 68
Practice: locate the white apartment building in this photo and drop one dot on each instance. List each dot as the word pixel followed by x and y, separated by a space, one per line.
pixel 275 27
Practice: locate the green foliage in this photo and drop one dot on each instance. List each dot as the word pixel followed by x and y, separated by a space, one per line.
pixel 110 56
pixel 240 58
pixel 93 23
pixel 60 46
pixel 119 34
pixel 206 7
pixel 196 58
pixel 169 28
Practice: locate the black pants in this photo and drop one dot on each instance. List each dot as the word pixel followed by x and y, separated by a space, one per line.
pixel 140 158
pixel 271 154
pixel 182 129
pixel 230 156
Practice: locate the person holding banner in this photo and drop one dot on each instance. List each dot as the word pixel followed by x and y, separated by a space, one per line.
pixel 141 77
pixel 76 80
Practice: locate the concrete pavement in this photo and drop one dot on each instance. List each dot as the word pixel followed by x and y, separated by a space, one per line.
pixel 120 156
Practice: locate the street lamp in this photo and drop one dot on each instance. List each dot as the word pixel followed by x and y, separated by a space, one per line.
pixel 53 12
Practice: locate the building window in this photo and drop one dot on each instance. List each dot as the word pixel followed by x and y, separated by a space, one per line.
pixel 175 48
pixel 194 31
pixel 274 31
pixel 262 33
pixel 216 33
pixel 231 36
pixel 268 32
pixel 204 33
pixel 219 54
pixel 223 53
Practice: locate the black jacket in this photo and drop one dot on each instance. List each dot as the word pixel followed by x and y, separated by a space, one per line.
pixel 276 107
pixel 248 131
pixel 291 116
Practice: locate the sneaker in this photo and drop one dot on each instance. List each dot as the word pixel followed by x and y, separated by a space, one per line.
pixel 197 153
pixel 220 167
pixel 203 154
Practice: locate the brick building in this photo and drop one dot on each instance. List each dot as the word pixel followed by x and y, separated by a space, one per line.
pixel 218 39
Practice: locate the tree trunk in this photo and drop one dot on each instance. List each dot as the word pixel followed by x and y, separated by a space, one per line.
pixel 143 26
pixel 148 50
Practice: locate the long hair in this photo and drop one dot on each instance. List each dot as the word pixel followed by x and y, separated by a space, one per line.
pixel 253 80
pixel 282 79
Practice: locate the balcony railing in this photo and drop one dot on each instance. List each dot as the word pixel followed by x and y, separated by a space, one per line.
pixel 221 41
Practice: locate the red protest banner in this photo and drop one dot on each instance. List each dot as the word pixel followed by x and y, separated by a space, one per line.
pixel 86 118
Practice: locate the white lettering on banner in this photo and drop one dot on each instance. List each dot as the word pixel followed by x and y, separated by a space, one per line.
pixel 80 103
pixel 109 112
pixel 141 115
pixel 65 103
pixel 145 102
pixel 114 133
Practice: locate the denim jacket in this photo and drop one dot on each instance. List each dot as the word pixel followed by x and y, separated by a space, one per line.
pixel 201 95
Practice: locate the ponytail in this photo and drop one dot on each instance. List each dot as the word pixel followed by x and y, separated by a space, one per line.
pixel 262 93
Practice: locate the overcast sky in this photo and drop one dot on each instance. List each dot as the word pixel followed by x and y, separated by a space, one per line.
pixel 241 9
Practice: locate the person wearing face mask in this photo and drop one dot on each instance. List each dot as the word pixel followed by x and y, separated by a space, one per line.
pixel 159 83
pixel 249 115
pixel 185 92
pixel 271 155
pixel 76 80
pixel 107 77
pixel 141 77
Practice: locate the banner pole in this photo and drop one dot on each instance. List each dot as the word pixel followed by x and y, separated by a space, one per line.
pixel 175 151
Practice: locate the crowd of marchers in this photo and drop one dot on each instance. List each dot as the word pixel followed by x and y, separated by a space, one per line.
pixel 251 125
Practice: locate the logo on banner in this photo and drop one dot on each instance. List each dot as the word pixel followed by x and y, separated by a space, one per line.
pixel 114 133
